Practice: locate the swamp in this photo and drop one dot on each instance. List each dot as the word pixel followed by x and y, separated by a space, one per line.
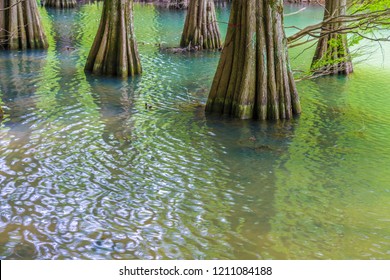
pixel 100 167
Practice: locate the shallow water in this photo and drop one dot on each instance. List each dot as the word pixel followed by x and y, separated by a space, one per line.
pixel 86 172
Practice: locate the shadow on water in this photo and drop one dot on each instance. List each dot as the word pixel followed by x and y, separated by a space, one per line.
pixel 319 187
pixel 308 216
pixel 259 147
pixel 115 99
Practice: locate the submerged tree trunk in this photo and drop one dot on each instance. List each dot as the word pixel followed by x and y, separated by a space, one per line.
pixel 114 51
pixel 176 4
pixel 332 55
pixel 21 26
pixel 201 28
pixel 179 4
pixel 253 78
pixel 60 4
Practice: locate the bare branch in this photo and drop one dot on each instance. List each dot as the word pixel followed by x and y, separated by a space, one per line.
pixel 349 24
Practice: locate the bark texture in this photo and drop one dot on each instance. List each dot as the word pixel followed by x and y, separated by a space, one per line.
pixel 201 29
pixel 60 4
pixel 21 26
pixel 114 51
pixel 253 78
pixel 171 4
pixel 332 55
pixel 175 4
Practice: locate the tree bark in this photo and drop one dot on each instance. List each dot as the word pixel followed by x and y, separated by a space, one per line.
pixel 254 78
pixel 176 4
pixel 114 51
pixel 179 4
pixel 332 54
pixel 21 26
pixel 60 4
pixel 201 29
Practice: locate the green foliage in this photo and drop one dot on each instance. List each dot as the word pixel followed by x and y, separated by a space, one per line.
pixel 369 29
pixel 369 5
pixel 335 43
pixel 354 40
pixel 336 54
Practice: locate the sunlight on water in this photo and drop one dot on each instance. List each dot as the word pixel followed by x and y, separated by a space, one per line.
pixel 87 172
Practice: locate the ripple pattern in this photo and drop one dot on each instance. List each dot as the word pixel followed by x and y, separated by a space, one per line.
pixel 88 172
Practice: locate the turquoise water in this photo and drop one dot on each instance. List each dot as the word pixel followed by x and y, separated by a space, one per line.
pixel 86 172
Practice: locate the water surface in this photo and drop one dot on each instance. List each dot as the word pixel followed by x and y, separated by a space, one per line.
pixel 86 172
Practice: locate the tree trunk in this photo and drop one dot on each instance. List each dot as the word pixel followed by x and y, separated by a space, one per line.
pixel 179 4
pixel 253 78
pixel 21 26
pixel 114 51
pixel 60 4
pixel 332 55
pixel 201 29
pixel 176 4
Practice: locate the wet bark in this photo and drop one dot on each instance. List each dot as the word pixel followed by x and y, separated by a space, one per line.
pixel 332 54
pixel 114 51
pixel 254 79
pixel 201 29
pixel 21 26
pixel 60 4
pixel 176 4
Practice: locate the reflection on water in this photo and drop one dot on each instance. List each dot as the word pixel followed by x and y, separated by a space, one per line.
pixel 88 172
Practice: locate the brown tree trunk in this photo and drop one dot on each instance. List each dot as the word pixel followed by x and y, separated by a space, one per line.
pixel 332 55
pixel 60 4
pixel 176 4
pixel 21 26
pixel 253 78
pixel 201 29
pixel 179 4
pixel 114 51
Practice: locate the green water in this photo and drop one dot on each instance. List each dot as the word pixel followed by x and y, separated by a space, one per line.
pixel 86 172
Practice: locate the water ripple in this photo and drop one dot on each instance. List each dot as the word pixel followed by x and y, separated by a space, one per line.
pixel 87 172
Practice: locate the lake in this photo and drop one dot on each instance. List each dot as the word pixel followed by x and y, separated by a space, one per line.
pixel 88 172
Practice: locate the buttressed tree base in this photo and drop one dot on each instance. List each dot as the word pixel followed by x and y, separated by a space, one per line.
pixel 201 29
pixel 60 4
pixel 253 79
pixel 332 54
pixel 114 51
pixel 21 26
